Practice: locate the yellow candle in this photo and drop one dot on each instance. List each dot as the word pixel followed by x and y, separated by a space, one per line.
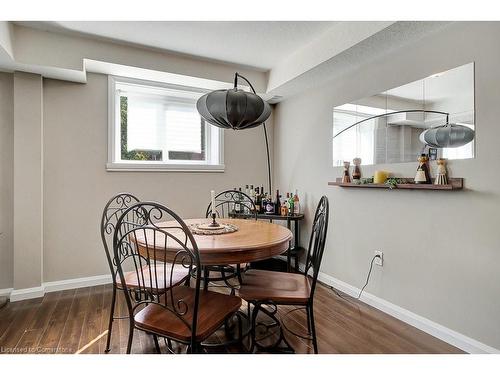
pixel 380 176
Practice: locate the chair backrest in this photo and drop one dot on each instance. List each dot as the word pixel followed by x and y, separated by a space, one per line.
pixel 233 203
pixel 115 207
pixel 153 250
pixel 317 241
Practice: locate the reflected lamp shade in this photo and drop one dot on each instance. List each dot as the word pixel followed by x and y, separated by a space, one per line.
pixel 447 136
pixel 233 109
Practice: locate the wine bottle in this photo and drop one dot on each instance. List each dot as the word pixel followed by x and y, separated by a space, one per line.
pixel 277 203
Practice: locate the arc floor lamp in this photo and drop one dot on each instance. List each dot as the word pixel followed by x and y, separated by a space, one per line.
pixel 238 110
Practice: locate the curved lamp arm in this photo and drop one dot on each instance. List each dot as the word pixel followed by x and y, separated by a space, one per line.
pixel 236 76
pixel 393 113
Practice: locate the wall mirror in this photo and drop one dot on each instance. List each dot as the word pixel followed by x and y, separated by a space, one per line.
pixel 386 127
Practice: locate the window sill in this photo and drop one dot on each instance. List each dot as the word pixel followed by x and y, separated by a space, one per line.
pixel 146 167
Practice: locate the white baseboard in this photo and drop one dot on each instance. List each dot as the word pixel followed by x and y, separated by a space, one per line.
pixel 53 286
pixel 454 338
pixel 5 292
pixel 28 293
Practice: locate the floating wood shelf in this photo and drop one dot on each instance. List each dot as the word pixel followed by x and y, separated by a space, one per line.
pixel 454 184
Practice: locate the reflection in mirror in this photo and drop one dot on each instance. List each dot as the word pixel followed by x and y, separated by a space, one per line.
pixel 387 127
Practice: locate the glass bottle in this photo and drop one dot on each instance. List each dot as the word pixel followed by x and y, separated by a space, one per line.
pixel 277 203
pixel 269 205
pixel 256 200
pixel 296 203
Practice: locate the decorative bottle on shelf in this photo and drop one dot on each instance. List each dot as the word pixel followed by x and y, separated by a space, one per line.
pixel 423 175
pixel 441 176
pixel 346 178
pixel 356 170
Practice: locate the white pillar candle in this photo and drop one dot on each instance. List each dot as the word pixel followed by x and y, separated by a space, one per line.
pixel 212 193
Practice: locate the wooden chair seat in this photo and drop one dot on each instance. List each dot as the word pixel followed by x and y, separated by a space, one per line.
pixel 279 287
pixel 180 274
pixel 213 309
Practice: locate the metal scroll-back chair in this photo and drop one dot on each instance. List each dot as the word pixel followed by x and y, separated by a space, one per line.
pixel 113 210
pixel 266 290
pixel 162 242
pixel 229 204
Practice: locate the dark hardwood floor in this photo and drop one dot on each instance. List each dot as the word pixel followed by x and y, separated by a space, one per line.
pixel 76 320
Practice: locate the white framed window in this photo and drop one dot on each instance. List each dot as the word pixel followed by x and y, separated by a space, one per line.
pixel 156 127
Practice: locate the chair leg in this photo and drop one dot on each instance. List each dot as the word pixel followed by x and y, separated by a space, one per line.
pixel 130 335
pixel 308 320
pixel 206 276
pixel 157 344
pixel 313 329
pixel 110 324
pixel 238 273
pixel 253 325
pixel 194 348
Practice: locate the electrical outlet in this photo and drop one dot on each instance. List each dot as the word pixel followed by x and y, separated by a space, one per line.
pixel 379 261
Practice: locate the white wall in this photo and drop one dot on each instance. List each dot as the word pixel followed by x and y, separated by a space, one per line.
pixel 76 184
pixel 6 179
pixel 441 249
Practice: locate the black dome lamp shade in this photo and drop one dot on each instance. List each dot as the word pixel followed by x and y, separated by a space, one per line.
pixel 233 108
pixel 236 109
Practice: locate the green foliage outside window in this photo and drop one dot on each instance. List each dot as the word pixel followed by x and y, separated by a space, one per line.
pixel 133 154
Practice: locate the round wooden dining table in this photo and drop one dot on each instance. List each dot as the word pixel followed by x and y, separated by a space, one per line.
pixel 252 241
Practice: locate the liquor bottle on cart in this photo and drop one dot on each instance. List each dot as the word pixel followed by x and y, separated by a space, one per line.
pixel 277 203
pixel 291 205
pixel 296 203
pixel 269 206
pixel 256 200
